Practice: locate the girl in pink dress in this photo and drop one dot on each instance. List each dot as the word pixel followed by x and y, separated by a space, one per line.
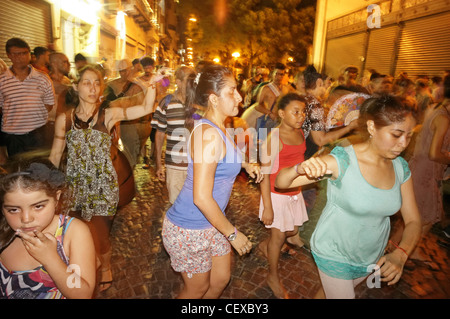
pixel 283 210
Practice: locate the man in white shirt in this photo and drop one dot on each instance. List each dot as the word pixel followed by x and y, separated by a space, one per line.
pixel 26 97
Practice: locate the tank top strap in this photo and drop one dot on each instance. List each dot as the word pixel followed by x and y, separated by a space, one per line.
pixel 226 140
pixel 279 137
pixel 206 121
pixel 63 224
pixel 69 119
pixel 100 124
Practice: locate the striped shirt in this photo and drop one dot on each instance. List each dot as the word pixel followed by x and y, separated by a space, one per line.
pixel 170 119
pixel 23 102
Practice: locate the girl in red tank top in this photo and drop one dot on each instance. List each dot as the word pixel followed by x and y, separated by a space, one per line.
pixel 283 211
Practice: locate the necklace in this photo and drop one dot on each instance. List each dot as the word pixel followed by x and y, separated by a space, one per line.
pixel 80 124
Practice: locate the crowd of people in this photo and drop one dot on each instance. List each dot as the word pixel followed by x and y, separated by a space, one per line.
pixel 70 140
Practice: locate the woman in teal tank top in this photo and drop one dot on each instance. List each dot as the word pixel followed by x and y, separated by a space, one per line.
pixel 368 182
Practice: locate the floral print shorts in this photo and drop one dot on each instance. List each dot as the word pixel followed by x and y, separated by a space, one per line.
pixel 191 250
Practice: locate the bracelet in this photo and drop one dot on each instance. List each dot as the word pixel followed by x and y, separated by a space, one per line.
pixel 390 241
pixel 232 236
pixel 295 167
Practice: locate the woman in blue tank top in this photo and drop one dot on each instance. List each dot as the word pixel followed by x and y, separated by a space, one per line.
pixel 196 233
pixel 369 183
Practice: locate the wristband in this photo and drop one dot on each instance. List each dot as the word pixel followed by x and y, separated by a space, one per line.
pixel 296 168
pixel 399 248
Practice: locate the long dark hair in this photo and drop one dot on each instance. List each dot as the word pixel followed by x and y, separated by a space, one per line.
pixel 198 88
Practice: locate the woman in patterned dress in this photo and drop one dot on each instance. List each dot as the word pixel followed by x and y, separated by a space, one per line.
pixel 91 176
pixel 314 126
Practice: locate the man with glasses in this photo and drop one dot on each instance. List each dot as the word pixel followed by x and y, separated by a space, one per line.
pixel 26 97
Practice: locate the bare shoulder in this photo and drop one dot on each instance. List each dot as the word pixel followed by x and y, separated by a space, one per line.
pixel 77 229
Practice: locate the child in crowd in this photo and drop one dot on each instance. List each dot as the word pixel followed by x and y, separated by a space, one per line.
pixel 36 243
pixel 283 210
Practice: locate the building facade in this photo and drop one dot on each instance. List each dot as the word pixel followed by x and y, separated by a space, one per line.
pixel 389 36
pixel 99 29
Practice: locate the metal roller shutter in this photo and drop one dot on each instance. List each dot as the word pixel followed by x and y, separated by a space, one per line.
pixel 381 46
pixel 25 19
pixel 107 47
pixel 425 46
pixel 344 51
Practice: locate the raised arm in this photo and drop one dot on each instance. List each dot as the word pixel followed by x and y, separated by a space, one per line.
pixel 115 113
pixel 322 138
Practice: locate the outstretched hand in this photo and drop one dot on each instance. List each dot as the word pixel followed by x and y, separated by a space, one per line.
pixel 314 168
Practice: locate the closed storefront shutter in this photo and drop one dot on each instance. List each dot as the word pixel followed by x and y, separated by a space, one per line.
pixel 380 49
pixel 26 19
pixel 425 46
pixel 131 51
pixel 107 47
pixel 344 51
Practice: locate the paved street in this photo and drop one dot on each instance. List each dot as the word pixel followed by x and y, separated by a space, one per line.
pixel 141 267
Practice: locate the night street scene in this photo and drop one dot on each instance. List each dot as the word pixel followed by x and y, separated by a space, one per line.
pixel 242 152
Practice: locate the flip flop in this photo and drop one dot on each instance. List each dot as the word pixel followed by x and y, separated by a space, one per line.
pixel 105 284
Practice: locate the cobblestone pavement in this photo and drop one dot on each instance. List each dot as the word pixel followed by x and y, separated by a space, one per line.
pixel 141 267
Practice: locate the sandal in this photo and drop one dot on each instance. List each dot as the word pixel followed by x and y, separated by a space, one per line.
pixel 106 279
pixel 288 250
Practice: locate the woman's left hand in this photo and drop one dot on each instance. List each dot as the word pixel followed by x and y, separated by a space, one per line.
pixel 254 171
pixel 391 266
pixel 41 246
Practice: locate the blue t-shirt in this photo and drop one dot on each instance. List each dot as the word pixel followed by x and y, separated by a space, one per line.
pixel 184 213
pixel 354 227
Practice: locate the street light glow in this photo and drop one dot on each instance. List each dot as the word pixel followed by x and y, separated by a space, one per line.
pixel 236 55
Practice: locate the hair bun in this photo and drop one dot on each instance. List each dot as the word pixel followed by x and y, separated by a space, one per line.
pixel 310 69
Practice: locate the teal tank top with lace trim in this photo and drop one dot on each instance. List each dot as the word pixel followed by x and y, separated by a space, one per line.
pixel 354 227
